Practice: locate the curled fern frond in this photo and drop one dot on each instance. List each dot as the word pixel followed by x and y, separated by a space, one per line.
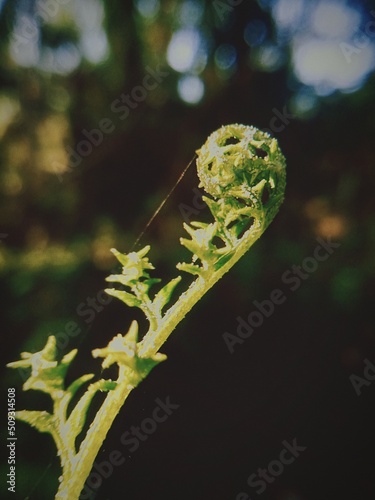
pixel 241 162
pixel 242 171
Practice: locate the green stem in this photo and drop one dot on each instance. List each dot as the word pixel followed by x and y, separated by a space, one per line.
pixel 153 340
pixel 73 480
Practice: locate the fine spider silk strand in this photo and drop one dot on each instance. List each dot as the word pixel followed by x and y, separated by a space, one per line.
pixel 157 211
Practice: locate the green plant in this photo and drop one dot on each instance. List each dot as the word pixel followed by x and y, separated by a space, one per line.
pixel 242 170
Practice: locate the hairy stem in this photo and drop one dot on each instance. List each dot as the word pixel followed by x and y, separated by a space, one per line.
pixel 153 340
pixel 73 480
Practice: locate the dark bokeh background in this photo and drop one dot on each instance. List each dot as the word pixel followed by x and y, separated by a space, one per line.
pixel 62 70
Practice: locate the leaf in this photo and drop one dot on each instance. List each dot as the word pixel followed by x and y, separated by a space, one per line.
pixel 74 386
pixel 143 287
pixel 41 420
pixel 164 295
pixel 77 418
pixel 134 264
pixel 119 278
pixel 222 260
pixel 47 374
pixel 135 277
pixel 144 251
pixel 145 365
pixel 123 350
pixel 125 297
pixel 214 206
pixel 123 258
pixel 202 246
pixel 192 246
pixel 190 268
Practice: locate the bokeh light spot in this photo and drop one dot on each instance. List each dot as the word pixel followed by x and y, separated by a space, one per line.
pixel 24 44
pixel 191 89
pixel 63 60
pixel 186 51
pixel 304 103
pixel 334 19
pixel 191 12
pixel 225 56
pixel 148 8
pixel 288 13
pixel 268 57
pixel 321 64
pixel 94 46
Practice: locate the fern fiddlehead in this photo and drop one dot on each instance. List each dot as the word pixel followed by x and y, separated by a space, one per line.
pixel 242 171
